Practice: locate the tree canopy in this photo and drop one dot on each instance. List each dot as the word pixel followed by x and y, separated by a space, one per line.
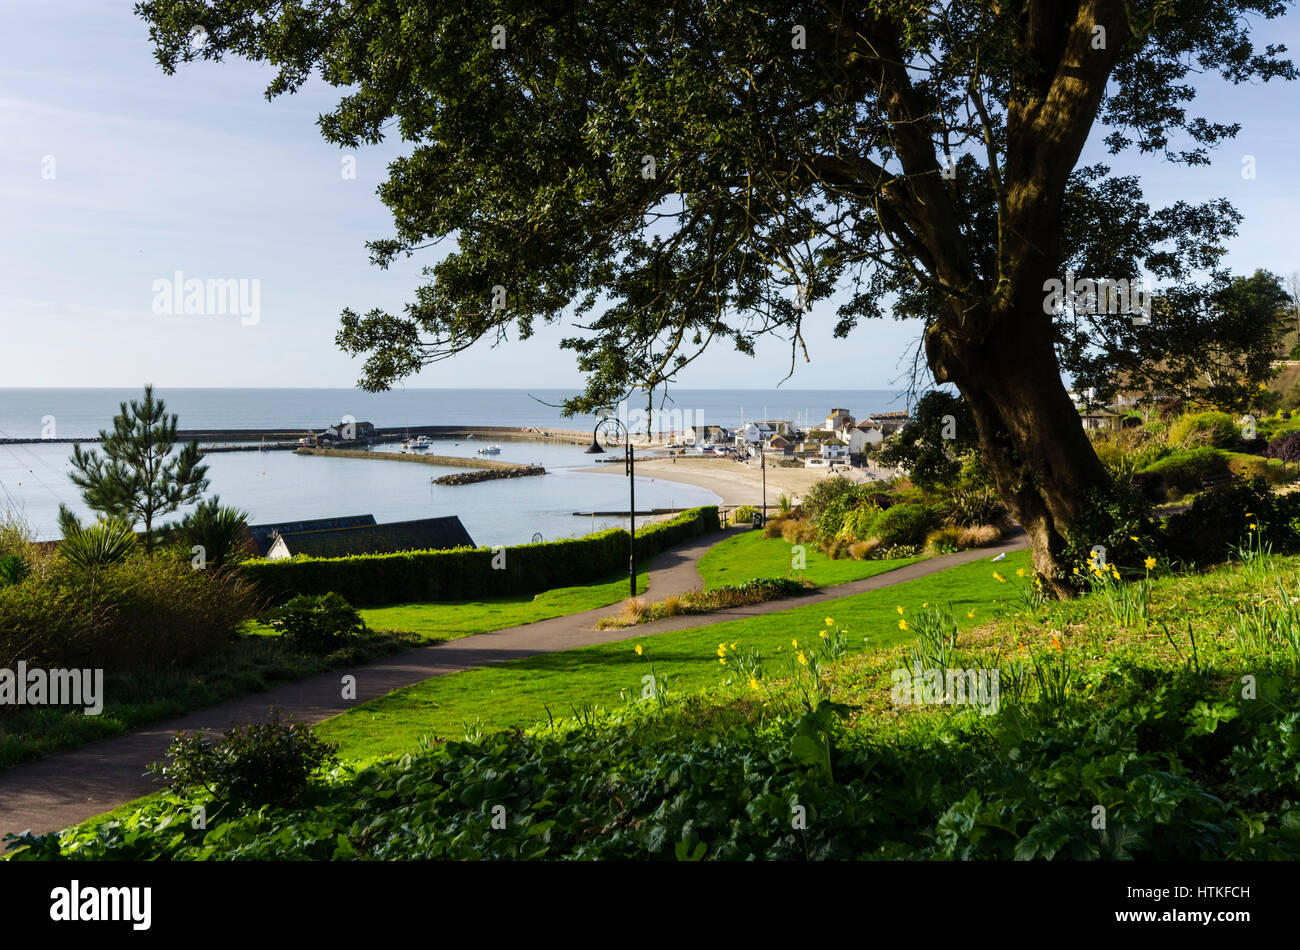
pixel 668 179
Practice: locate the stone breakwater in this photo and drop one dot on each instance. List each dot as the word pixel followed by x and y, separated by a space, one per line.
pixel 469 478
pixel 487 468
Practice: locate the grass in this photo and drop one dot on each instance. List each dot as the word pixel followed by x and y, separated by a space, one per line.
pixel 451 619
pixel 749 555
pixel 572 682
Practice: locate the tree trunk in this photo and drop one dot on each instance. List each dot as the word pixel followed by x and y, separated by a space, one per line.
pixel 1033 441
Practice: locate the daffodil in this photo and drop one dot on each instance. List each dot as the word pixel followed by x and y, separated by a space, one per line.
pixel 639 651
pixel 1076 570
pixel 900 610
pixel 753 683
pixel 830 622
pixel 1056 643
pixel 803 659
pixel 1133 537
pixel 822 634
pixel 902 625
pixel 794 643
pixel 1020 572
pixel 1000 578
pixel 722 660
pixel 971 614
pixel 1150 563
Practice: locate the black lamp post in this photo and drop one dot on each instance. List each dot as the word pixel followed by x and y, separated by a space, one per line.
pixel 613 422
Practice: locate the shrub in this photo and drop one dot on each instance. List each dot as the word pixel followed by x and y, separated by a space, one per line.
pixel 905 524
pixel 318 623
pixel 822 493
pixel 976 536
pixel 1221 517
pixel 101 545
pixel 144 613
pixel 1204 428
pixel 776 527
pixel 1150 485
pixel 218 530
pixel 745 514
pixel 267 763
pixel 467 572
pixel 1250 466
pixel 12 569
pixel 1184 469
pixel 973 506
pixel 944 540
pixel 1285 448
pixel 863 550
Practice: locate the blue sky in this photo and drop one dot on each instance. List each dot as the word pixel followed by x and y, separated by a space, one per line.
pixel 198 173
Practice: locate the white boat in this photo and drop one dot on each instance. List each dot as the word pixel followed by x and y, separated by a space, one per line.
pixel 490 450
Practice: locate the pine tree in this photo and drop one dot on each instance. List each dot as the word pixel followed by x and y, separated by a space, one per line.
pixel 139 479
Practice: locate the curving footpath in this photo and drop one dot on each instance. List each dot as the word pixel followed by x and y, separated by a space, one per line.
pixel 69 787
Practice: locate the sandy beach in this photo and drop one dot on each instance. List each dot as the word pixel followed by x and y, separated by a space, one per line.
pixel 736 483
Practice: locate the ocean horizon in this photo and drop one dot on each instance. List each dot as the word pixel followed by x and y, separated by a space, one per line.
pixel 283 486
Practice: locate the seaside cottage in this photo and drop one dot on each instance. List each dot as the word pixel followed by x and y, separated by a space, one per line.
pixel 261 537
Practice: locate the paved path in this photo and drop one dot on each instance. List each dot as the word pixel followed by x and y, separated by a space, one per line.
pixel 69 787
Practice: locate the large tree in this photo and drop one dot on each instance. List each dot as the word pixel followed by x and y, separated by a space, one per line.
pixel 677 176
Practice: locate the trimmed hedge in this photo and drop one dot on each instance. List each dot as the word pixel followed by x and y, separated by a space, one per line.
pixel 467 573
pixel 1185 468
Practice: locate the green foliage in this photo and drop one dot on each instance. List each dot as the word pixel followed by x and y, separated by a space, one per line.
pixel 1205 428
pixel 101 545
pixel 252 765
pixel 13 569
pixel 138 479
pixel 219 531
pixel 904 524
pixel 1185 773
pixel 138 614
pixel 1116 521
pixel 1185 468
pixel 744 514
pixel 965 507
pixel 1220 520
pixel 939 441
pixel 320 623
pixel 375 579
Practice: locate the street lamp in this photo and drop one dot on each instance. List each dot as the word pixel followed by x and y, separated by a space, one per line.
pixel 613 423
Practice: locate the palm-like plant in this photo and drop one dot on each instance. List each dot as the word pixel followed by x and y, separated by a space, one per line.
pixel 101 545
pixel 218 530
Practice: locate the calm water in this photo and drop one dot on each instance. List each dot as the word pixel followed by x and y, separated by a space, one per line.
pixel 279 486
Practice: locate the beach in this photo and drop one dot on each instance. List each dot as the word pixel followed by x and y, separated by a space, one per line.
pixel 736 483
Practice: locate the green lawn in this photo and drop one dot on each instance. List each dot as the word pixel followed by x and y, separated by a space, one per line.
pixel 449 619
pixel 522 692
pixel 748 555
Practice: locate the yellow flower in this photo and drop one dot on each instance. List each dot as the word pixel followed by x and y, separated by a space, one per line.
pixel 1076 570
pixel 971 614
pixel 639 651
pixel 926 604
pixel 1000 578
pixel 1253 527
pixel 1250 514
pixel 902 625
pixel 830 622
pixel 1056 643
pixel 733 646
pixel 753 683
pixel 722 660
pixel 900 610
pixel 823 634
pixel 1132 537
pixel 803 659
pixel 1150 563
pixel 794 643
pixel 1020 572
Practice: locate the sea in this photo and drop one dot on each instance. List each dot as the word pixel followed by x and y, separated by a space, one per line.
pixel 282 486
